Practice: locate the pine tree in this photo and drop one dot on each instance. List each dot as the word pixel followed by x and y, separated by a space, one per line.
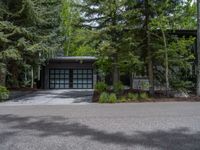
pixel 173 50
pixel 109 20
pixel 29 33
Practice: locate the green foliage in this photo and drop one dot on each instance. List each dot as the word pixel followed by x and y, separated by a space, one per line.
pixel 181 85
pixel 105 23
pixel 108 98
pixel 32 31
pixel 29 34
pixel 144 85
pixel 77 40
pixel 132 97
pixel 118 88
pixel 117 36
pixel 112 98
pixel 104 98
pixel 130 63
pixel 175 51
pixel 143 96
pixel 4 93
pixel 101 87
pixel 84 50
pixel 123 99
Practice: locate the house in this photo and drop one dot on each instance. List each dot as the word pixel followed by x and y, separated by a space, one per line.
pixel 69 73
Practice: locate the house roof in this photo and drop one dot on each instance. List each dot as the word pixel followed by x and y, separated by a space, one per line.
pixel 74 58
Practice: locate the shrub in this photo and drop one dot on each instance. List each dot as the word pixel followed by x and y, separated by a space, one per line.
pixel 181 85
pixel 4 93
pixel 104 97
pixel 118 88
pixel 123 99
pixel 101 87
pixel 144 96
pixel 112 98
pixel 132 97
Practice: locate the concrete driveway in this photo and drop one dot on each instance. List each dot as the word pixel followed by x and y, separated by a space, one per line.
pixel 53 97
pixel 147 126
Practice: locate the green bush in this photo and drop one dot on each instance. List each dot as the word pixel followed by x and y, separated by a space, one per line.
pixel 104 97
pixel 181 85
pixel 123 99
pixel 143 96
pixel 4 93
pixel 101 87
pixel 118 88
pixel 112 98
pixel 132 97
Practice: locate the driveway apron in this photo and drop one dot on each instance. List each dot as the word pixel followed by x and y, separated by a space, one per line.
pixel 53 97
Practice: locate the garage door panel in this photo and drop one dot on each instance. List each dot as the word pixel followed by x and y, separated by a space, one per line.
pixel 70 78
pixel 59 78
pixel 82 78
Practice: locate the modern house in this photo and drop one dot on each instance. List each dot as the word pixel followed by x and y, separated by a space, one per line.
pixel 69 73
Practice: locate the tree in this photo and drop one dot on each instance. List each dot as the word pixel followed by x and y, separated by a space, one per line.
pixel 148 48
pixel 130 36
pixel 107 18
pixel 163 22
pixel 29 33
pixel 78 41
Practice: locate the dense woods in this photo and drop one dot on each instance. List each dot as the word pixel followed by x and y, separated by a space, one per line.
pixel 135 38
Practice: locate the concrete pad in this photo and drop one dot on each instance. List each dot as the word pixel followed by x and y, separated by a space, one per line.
pixel 54 97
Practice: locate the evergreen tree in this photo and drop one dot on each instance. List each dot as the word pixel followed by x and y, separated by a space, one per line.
pixel 174 51
pixel 29 33
pixel 108 19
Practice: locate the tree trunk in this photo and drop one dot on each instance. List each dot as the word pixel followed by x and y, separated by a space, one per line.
pixel 115 71
pixel 149 53
pixel 32 77
pixel 198 49
pixel 131 78
pixel 166 63
pixel 2 74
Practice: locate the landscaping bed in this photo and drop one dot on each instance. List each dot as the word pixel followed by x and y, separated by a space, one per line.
pixel 103 94
pixel 156 98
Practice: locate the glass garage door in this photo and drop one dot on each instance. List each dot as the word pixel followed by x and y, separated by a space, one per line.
pixel 70 78
pixel 59 78
pixel 82 78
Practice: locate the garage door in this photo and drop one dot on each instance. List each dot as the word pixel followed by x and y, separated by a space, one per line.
pixel 71 78
pixel 59 78
pixel 82 79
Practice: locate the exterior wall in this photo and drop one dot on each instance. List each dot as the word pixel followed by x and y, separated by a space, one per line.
pixel 94 78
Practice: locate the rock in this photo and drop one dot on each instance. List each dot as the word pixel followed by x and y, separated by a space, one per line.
pixel 180 94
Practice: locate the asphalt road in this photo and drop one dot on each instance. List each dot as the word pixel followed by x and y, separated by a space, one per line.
pixel 147 126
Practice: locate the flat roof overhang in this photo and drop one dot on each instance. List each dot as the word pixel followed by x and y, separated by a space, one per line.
pixel 74 59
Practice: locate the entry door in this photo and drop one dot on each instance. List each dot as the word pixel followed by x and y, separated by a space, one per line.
pixel 82 78
pixel 59 78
